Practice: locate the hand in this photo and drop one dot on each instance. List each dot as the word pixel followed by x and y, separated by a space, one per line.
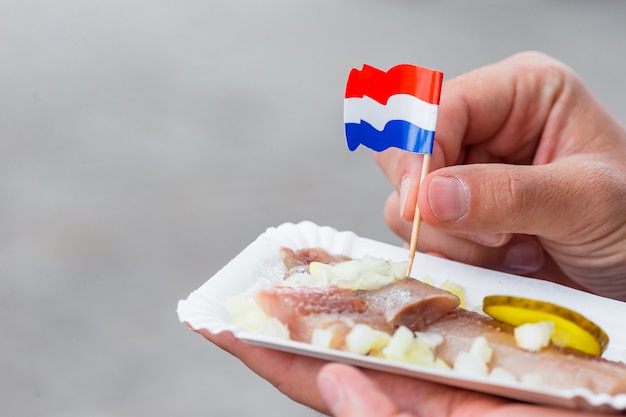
pixel 528 175
pixel 351 393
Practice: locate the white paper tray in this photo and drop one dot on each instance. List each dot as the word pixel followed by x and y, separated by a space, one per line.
pixel 259 265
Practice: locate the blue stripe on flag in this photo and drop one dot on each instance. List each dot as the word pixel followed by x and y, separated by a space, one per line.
pixel 397 134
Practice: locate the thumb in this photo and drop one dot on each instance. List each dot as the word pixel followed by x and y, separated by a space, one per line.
pixel 552 201
pixel 349 393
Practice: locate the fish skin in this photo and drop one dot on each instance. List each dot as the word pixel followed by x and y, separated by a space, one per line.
pixel 409 302
pixel 406 302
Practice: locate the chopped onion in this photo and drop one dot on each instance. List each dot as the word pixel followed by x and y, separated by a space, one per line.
pixel 534 336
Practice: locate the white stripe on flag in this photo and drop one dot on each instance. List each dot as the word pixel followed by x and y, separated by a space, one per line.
pixel 399 107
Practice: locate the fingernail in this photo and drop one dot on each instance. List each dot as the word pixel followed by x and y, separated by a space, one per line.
pixel 526 256
pixel 331 392
pixel 448 198
pixel 405 185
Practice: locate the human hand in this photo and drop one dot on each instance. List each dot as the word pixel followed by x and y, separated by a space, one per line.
pixel 528 176
pixel 542 167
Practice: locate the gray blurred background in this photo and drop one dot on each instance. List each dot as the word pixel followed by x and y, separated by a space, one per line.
pixel 144 143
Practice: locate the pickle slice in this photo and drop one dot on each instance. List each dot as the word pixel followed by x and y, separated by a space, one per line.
pixel 571 329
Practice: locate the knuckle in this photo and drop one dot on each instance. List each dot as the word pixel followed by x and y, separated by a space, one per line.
pixel 511 195
pixel 607 186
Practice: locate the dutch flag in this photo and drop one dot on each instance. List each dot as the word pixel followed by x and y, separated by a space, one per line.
pixel 397 108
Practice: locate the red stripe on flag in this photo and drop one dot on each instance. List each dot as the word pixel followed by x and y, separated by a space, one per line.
pixel 420 82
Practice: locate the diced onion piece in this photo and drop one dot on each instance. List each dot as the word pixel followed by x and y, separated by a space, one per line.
pixel 274 328
pixel 476 360
pixel 399 269
pixel 420 354
pixel 322 338
pixel 359 274
pixel 502 374
pixel 430 339
pixel 467 363
pixel 534 336
pixel 246 313
pixel 320 272
pixel 441 364
pixel 399 343
pixel 382 340
pixel 480 347
pixel 239 305
pixel 361 339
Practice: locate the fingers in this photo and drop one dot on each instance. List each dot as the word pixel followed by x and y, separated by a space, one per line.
pixel 504 107
pixel 520 255
pixel 403 170
pixel 394 219
pixel 522 147
pixel 552 201
pixel 559 202
pixel 403 228
pixel 497 113
pixel 349 393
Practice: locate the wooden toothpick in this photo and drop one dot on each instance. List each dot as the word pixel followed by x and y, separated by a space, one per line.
pixel 417 218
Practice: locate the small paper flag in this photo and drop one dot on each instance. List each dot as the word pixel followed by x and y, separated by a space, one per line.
pixel 397 108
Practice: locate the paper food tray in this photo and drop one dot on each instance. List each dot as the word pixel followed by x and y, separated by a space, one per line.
pixel 259 265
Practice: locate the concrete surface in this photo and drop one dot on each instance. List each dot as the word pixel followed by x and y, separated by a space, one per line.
pixel 144 143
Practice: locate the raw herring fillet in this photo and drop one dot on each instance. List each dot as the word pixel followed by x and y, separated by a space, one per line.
pixel 406 302
pixel 303 309
pixel 559 368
